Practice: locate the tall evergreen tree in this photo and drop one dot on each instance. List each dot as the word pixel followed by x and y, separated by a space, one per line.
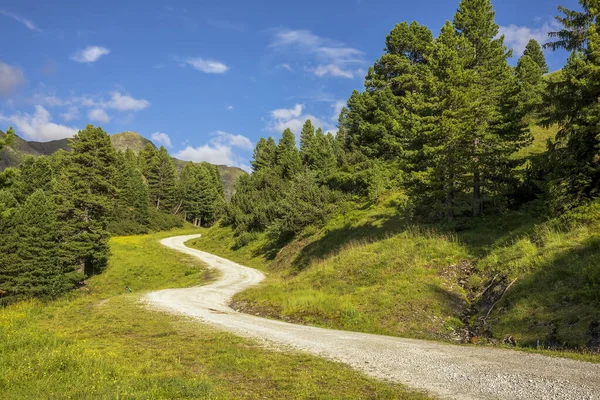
pixel 288 156
pixel 31 265
pixel 573 157
pixel 534 50
pixel 35 173
pixel 264 154
pixel 498 130
pixel 85 194
pixel 529 77
pixel 306 138
pixel 161 177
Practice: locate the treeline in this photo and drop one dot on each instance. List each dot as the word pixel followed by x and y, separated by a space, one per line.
pixel 441 120
pixel 57 213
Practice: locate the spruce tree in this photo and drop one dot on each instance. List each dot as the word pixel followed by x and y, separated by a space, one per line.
pixel 288 156
pixel 10 135
pixel 529 77
pixel 306 138
pixel 534 50
pixel 85 194
pixel 573 158
pixel 498 129
pixel 264 154
pixel 161 177
pixel 35 173
pixel 31 265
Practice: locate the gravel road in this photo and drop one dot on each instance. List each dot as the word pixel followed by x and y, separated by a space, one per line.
pixel 444 370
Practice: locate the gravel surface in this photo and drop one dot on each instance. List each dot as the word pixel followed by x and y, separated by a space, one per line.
pixel 444 370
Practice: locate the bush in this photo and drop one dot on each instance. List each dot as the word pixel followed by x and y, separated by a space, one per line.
pixel 164 222
pixel 126 227
pixel 244 239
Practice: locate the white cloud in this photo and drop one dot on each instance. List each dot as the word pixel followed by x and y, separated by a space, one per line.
pixel 516 37
pixel 337 109
pixel 161 138
pixel 29 24
pixel 10 78
pixel 215 154
pixel 332 70
pixel 207 66
pixel 71 114
pixel 331 56
pixel 229 108
pixel 99 115
pixel 238 141
pixel 90 54
pixel 122 102
pixel 294 119
pixel 219 150
pixel 287 113
pixel 286 67
pixel 39 126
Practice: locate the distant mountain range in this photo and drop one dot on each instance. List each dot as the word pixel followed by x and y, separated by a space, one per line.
pixel 13 155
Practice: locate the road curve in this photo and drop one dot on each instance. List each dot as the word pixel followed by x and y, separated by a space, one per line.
pixel 444 370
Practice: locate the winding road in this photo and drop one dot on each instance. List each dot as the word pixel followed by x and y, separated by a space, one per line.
pixel 444 370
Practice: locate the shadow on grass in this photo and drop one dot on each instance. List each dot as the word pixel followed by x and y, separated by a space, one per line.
pixel 558 304
pixel 333 240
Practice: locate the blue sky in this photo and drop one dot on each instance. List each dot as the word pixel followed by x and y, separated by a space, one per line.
pixel 208 79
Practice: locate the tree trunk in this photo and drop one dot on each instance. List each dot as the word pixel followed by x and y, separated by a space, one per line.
pixel 450 198
pixel 477 203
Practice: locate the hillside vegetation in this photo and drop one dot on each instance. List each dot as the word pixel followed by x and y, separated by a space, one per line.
pixel 14 154
pixel 102 343
pixel 458 199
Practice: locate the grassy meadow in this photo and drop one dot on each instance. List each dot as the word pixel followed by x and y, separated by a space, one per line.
pixel 101 343
pixel 369 270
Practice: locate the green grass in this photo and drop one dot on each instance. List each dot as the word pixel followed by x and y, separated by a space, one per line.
pixel 369 270
pixel 102 343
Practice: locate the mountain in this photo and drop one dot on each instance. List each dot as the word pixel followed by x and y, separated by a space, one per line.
pixel 13 155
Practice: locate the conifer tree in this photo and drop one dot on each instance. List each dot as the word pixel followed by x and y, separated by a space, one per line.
pixel 264 154
pixel 35 173
pixel 573 157
pixel 288 156
pixel 529 77
pixel 306 138
pixel 10 135
pixel 498 129
pixel 161 177
pixel 85 194
pixel 534 50
pixel 31 266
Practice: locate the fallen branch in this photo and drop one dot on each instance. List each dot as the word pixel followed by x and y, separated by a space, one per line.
pixel 503 293
pixel 487 288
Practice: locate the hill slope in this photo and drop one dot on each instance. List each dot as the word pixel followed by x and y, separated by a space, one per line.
pixel 13 155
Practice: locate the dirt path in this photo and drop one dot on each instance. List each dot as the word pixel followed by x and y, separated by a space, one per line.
pixel 448 371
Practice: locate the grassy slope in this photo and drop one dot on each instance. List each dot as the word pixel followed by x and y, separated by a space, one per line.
pixel 368 271
pixel 102 343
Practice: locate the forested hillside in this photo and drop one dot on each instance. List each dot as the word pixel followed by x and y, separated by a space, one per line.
pixel 58 212
pixel 434 211
pixel 14 154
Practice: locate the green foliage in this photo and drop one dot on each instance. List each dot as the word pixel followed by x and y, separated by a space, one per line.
pixel 534 50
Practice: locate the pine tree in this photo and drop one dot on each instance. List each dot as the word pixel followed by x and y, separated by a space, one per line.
pixel 498 129
pixel 10 135
pixel 288 156
pixel 442 170
pixel 30 265
pixel 529 77
pixel 35 173
pixel 131 213
pixel 534 50
pixel 161 177
pixel 306 138
pixel 573 158
pixel 85 194
pixel 264 154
